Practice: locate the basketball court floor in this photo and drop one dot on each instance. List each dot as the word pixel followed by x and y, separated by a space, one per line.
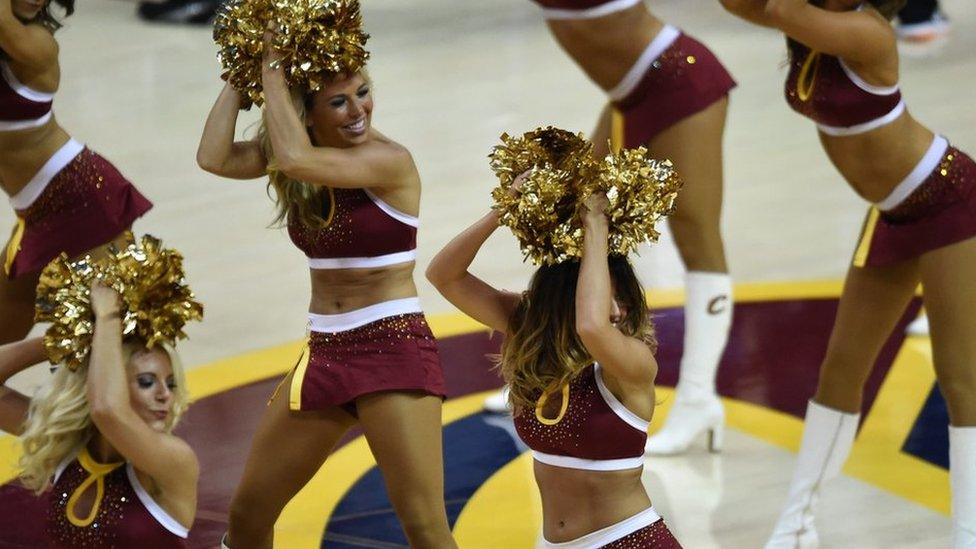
pixel 450 77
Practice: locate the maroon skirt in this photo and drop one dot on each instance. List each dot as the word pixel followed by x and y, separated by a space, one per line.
pixel 84 205
pixel 940 212
pixel 685 79
pixel 396 353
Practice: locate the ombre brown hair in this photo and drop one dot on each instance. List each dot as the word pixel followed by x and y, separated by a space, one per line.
pixel 542 350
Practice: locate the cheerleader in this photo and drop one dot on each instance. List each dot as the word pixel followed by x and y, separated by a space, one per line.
pixel 668 92
pixel 919 230
pixel 349 197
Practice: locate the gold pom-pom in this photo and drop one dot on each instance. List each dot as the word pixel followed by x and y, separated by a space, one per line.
pixel 542 213
pixel 156 302
pixel 318 39
pixel 641 190
pixel 239 28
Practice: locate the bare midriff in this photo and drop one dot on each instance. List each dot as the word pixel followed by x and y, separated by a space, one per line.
pixel 24 152
pixel 875 162
pixel 607 47
pixel 576 502
pixel 337 291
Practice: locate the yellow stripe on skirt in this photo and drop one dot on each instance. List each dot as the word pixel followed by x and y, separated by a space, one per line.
pixel 13 246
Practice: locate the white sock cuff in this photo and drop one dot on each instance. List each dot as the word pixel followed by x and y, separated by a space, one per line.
pixel 708 281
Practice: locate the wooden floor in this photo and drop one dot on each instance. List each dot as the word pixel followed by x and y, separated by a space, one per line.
pixel 450 77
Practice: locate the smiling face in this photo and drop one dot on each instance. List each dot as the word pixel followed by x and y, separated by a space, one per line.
pixel 27 10
pixel 152 386
pixel 339 114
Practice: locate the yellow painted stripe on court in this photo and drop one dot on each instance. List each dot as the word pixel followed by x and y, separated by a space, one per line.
pixel 506 509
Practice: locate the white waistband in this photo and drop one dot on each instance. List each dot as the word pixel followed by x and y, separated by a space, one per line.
pixel 919 174
pixel 610 534
pixel 362 262
pixel 592 13
pixel 661 42
pixel 17 125
pixel 590 464
pixel 360 317
pixel 892 115
pixel 35 187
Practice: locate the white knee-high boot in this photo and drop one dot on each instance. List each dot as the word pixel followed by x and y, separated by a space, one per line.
pixel 828 436
pixel 962 474
pixel 697 408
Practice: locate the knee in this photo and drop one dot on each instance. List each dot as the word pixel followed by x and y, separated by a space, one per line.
pixel 841 384
pixel 251 521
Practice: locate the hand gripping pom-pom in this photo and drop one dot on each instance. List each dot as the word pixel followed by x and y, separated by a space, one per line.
pixel 317 39
pixel 544 213
pixel 156 302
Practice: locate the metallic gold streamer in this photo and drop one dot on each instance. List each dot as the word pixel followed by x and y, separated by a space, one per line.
pixel 156 302
pixel 544 214
pixel 317 40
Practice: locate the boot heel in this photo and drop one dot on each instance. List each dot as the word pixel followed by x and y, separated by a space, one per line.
pixel 716 438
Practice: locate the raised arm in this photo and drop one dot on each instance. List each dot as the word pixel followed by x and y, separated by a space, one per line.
pixel 376 163
pixel 16 357
pixel 166 458
pixel 626 358
pixel 30 45
pixel 753 11
pixel 218 152
pixel 448 272
pixel 860 36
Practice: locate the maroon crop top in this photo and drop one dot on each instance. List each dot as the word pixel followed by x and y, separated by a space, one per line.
pixel 125 516
pixel 362 232
pixel 21 107
pixel 824 89
pixel 592 431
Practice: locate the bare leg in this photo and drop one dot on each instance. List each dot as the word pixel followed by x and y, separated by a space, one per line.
pixel 872 303
pixel 404 433
pixel 948 276
pixel 288 449
pixel 694 145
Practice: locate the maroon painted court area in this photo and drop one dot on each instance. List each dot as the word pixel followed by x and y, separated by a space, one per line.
pixel 772 360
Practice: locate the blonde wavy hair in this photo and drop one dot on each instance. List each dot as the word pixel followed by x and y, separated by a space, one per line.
pixel 59 418
pixel 542 351
pixel 293 197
